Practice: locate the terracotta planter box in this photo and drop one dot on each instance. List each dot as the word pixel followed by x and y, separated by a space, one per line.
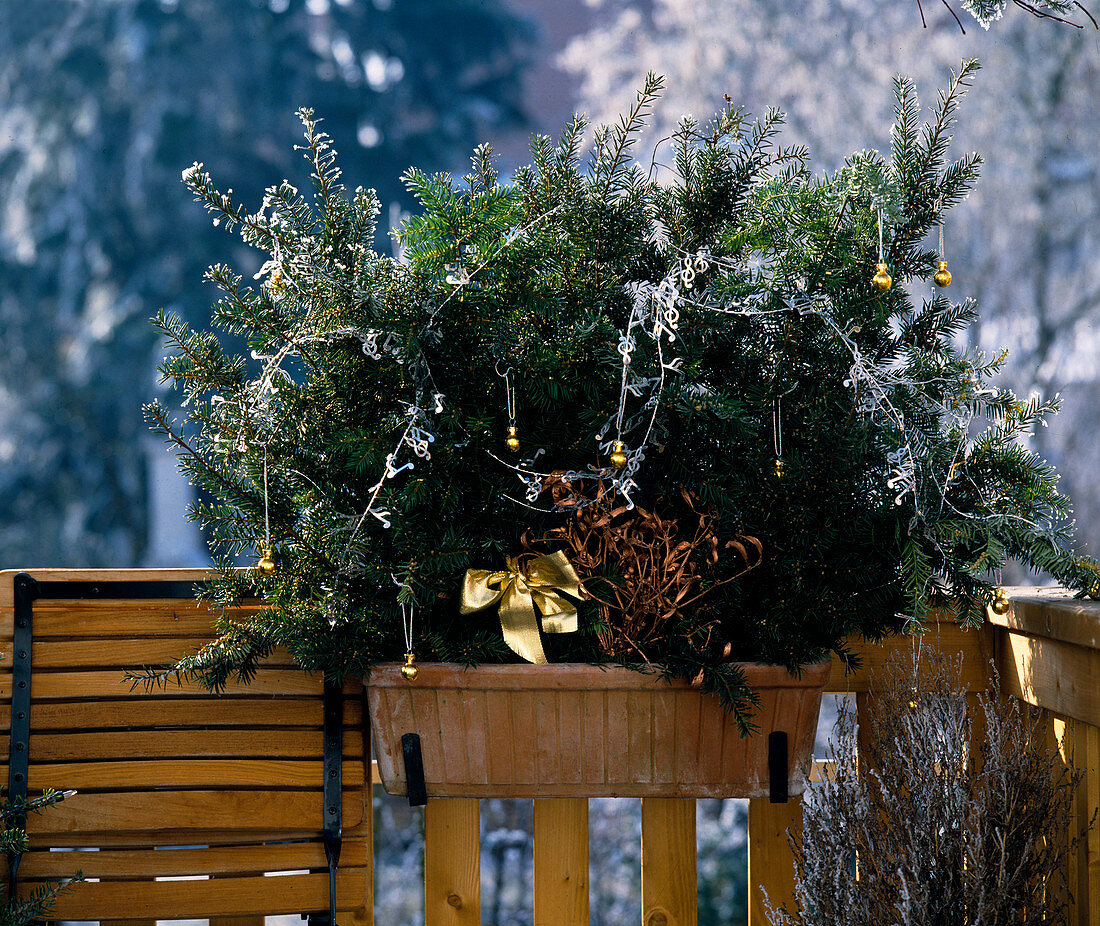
pixel 573 730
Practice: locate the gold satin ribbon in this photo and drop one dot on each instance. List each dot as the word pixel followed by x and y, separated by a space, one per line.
pixel 518 589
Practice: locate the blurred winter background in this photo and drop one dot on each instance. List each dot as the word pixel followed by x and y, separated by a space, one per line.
pixel 104 102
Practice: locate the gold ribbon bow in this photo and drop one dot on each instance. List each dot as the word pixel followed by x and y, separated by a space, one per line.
pixel 518 589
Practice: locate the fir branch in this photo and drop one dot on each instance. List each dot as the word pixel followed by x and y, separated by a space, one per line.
pixel 610 152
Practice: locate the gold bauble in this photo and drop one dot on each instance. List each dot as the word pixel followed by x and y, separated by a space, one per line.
pixel 1000 602
pixel 779 468
pixel 512 441
pixel 943 275
pixel 409 670
pixel 618 455
pixel 266 565
pixel 882 280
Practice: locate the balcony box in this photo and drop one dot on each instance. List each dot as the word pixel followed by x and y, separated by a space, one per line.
pixel 571 730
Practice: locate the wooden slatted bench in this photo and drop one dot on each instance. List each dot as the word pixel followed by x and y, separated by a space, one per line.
pixel 199 805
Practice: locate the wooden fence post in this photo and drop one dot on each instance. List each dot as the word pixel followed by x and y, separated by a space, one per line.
pixel 452 862
pixel 771 864
pixel 670 893
pixel 561 862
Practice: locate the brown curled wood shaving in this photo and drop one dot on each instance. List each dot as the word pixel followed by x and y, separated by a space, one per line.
pixel 665 564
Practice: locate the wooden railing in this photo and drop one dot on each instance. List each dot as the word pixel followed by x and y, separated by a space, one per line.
pixel 1046 650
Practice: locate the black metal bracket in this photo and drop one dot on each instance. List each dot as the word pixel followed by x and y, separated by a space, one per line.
pixel 25 589
pixel 117 588
pixel 333 828
pixel 778 767
pixel 414 770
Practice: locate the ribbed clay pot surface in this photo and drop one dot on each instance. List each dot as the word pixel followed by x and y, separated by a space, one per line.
pixel 572 730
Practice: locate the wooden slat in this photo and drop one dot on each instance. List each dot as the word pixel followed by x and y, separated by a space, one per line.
pixel 771 865
pixel 123 745
pixel 1052 674
pixel 145 711
pixel 227 860
pixel 168 839
pixel 127 621
pixel 126 653
pixel 111 684
pixel 561 862
pixel 452 863
pixel 669 888
pixel 1089 758
pixel 237 921
pixel 245 896
pixel 1079 737
pixel 161 811
pixel 140 774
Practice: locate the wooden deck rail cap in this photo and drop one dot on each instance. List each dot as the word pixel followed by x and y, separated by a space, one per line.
pixel 1054 613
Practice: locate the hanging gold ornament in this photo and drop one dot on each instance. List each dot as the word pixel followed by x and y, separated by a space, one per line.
pixel 943 275
pixel 266 565
pixel 409 670
pixel 618 455
pixel 512 440
pixel 882 280
pixel 1000 602
pixel 779 468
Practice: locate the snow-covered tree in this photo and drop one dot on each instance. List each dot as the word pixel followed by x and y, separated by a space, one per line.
pixel 1026 245
pixel 102 105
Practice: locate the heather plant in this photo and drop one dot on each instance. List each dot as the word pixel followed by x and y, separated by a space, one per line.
pixel 924 828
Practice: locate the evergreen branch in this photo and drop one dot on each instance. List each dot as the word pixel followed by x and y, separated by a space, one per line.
pixel 158 417
pixel 199 181
pixel 936 138
pixel 611 156
pixel 322 159
pixel 1047 14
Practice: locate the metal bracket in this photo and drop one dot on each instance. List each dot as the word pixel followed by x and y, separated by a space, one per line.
pixel 333 828
pixel 117 588
pixel 26 589
pixel 778 767
pixel 415 788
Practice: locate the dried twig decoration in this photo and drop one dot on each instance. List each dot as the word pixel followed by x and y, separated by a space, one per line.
pixel 642 568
